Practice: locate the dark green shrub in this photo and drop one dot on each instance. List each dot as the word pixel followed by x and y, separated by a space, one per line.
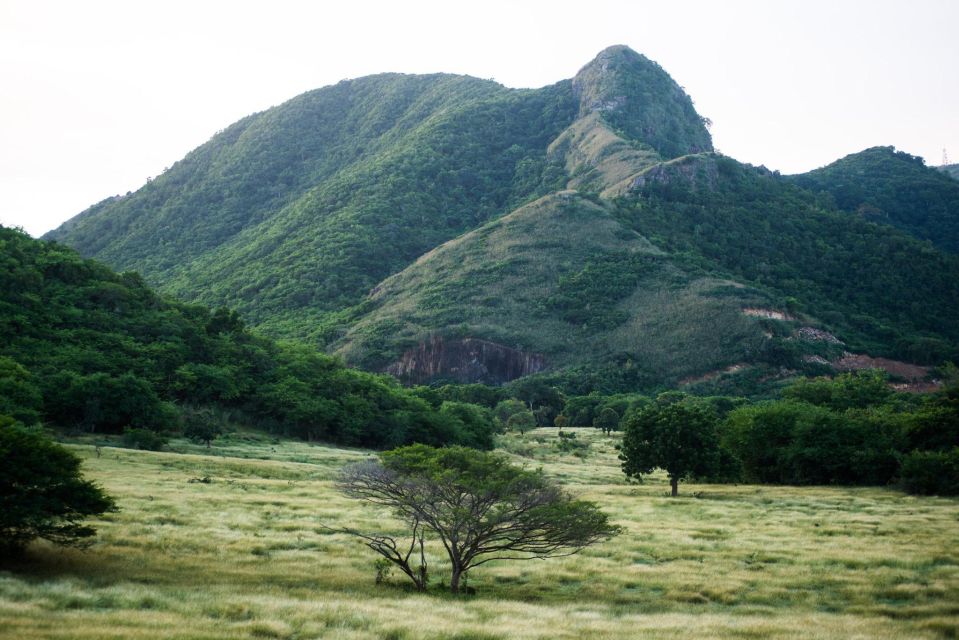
pixel 143 439
pixel 42 493
pixel 931 472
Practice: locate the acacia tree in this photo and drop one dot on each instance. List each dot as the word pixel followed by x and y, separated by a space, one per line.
pixel 677 434
pixel 479 506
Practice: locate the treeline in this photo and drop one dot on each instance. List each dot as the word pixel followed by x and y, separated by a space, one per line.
pixel 853 429
pixel 85 349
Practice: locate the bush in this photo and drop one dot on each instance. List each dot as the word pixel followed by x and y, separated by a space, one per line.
pixel 931 472
pixel 143 439
pixel 42 494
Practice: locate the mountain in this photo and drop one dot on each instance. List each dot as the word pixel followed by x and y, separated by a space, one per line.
pixel 950 169
pixel 892 187
pixel 444 227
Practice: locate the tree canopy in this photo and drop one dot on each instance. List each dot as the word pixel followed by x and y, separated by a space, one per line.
pixel 42 493
pixel 677 434
pixel 479 506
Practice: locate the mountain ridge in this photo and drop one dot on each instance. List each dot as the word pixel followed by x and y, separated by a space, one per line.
pixel 392 222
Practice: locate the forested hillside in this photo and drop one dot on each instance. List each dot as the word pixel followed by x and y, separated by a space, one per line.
pixel 302 209
pixel 883 291
pixel 892 187
pixel 448 228
pixel 87 349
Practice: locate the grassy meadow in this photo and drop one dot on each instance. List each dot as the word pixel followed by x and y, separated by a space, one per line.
pixel 230 543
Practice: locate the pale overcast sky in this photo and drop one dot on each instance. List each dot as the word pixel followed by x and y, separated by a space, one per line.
pixel 96 95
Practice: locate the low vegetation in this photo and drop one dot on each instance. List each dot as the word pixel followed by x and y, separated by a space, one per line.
pixel 228 543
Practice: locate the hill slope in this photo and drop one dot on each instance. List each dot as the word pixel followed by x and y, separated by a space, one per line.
pixel 447 227
pixel 85 348
pixel 557 283
pixel 891 187
pixel 950 170
pixel 300 210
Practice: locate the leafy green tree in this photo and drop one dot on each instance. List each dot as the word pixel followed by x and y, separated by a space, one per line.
pixel 846 391
pixel 787 441
pixel 580 410
pixel 536 393
pixel 144 439
pixel 677 434
pixel 478 505
pixel 475 423
pixel 202 425
pixel 522 421
pixel 42 493
pixel 935 426
pixel 932 472
pixel 19 397
pixel 505 409
pixel 607 420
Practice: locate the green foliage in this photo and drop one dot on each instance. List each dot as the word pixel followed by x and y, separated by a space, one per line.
pixel 884 292
pixel 85 348
pixel 892 187
pixel 794 442
pixel 857 390
pixel 19 397
pixel 42 493
pixel 144 439
pixel 479 505
pixel 521 421
pixel 506 409
pixel 202 424
pixel 536 393
pixel 589 297
pixel 677 434
pixel 935 424
pixel 607 420
pixel 480 394
pixel 931 472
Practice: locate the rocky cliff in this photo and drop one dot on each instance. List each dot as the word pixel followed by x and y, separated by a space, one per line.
pixel 464 360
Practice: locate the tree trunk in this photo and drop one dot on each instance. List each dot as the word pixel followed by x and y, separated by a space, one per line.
pixel 674 483
pixel 455 579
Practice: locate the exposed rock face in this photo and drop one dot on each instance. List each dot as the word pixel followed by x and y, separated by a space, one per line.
pixel 769 314
pixel 698 172
pixel 858 361
pixel 464 360
pixel 811 334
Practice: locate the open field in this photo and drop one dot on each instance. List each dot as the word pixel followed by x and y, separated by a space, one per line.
pixel 244 555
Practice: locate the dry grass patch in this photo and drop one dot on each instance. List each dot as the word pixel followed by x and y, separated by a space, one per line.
pixel 245 556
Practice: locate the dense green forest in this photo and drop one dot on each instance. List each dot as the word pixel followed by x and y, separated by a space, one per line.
pixel 882 291
pixel 892 187
pixel 308 206
pixel 86 349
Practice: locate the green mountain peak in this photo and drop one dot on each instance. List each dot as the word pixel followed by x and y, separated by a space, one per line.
pixel 641 102
pixel 446 227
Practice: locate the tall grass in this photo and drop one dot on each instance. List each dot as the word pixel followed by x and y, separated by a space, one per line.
pixel 230 544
